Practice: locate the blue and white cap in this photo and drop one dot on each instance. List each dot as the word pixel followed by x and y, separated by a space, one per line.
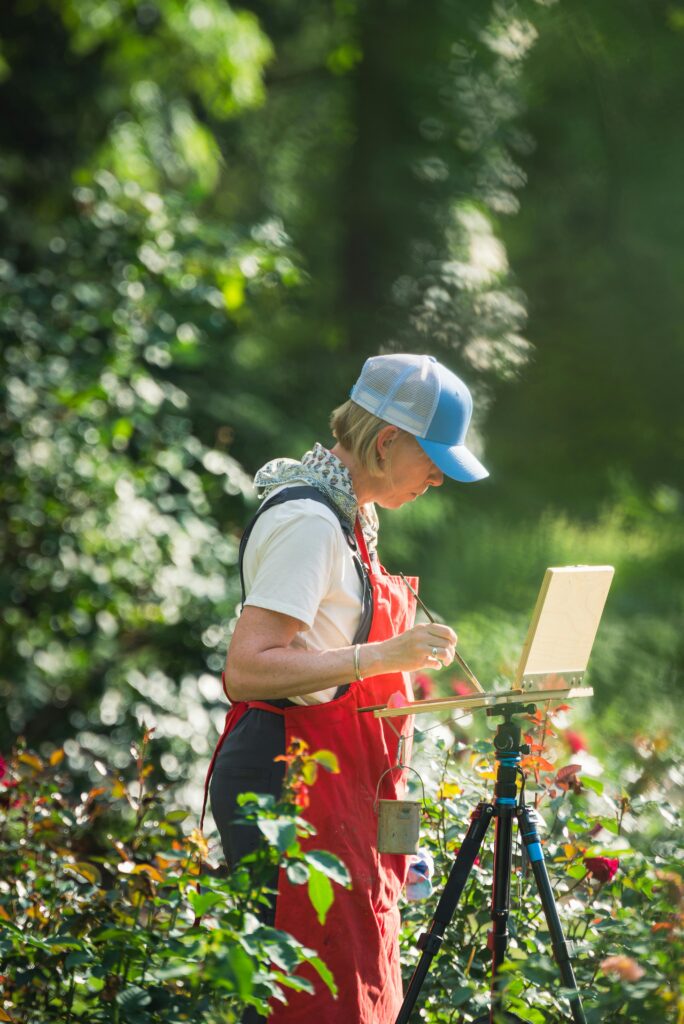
pixel 419 395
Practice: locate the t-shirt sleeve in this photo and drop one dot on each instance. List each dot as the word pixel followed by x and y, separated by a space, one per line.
pixel 293 564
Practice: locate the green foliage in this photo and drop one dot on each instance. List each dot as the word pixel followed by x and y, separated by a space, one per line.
pixel 210 217
pixel 111 501
pixel 161 330
pixel 486 587
pixel 627 932
pixel 102 894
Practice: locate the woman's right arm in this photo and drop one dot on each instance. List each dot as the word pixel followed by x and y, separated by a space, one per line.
pixel 262 664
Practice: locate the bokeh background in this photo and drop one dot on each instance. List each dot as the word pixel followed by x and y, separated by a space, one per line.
pixel 211 215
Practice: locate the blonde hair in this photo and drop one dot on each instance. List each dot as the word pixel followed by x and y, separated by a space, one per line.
pixel 357 431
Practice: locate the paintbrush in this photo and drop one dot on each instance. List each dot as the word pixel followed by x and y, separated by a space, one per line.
pixel 470 674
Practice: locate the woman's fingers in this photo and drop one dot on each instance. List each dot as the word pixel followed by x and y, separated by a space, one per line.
pixel 429 645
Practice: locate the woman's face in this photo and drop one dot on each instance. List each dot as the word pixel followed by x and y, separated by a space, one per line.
pixel 407 470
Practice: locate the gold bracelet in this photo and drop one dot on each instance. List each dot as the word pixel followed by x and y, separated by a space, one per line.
pixel 357 663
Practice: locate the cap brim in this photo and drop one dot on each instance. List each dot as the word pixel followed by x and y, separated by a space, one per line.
pixel 455 461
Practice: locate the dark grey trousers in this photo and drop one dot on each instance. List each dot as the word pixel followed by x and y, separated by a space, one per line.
pixel 245 763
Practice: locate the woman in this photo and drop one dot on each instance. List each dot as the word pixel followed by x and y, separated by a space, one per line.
pixel 325 631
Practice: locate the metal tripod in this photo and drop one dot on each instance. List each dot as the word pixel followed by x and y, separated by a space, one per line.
pixel 504 809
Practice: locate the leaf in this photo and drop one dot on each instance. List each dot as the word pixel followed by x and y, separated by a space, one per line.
pixel 5 1016
pixel 320 893
pixel 567 772
pixel 87 871
pixel 177 815
pixel 310 772
pixel 32 761
pixel 461 995
pixel 280 832
pixel 327 760
pixel 292 981
pixel 77 958
pixel 594 784
pixel 266 801
pixel 449 789
pixel 149 870
pixel 196 839
pixel 297 872
pixel 241 968
pixel 56 757
pixel 324 973
pixel 202 902
pixel 133 999
pixel 329 864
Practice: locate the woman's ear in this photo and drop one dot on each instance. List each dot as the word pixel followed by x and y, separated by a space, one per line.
pixel 385 440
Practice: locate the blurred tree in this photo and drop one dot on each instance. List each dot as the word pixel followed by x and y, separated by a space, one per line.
pixel 116 575
pixel 211 217
pixel 597 249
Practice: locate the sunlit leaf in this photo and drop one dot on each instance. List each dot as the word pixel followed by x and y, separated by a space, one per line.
pixel 328 760
pixel 320 893
pixel 31 760
pixel 83 870
pixel 329 864
pixel 280 832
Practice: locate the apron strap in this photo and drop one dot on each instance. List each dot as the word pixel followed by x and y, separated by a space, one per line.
pixel 235 712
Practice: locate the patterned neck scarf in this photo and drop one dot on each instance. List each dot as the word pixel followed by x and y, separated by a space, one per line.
pixel 324 471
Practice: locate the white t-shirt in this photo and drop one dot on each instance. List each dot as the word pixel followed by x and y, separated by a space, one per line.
pixel 298 562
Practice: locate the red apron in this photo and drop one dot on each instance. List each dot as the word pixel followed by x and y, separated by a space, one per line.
pixel 359 941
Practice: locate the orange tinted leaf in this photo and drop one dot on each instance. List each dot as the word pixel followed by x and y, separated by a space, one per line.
pixel 83 870
pixel 32 761
pixel 56 757
pixel 149 870
pixel 196 839
pixel 165 862
pixel 448 789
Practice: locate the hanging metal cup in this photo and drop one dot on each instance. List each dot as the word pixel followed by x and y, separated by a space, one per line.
pixel 398 820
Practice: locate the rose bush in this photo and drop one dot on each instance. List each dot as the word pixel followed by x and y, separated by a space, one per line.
pixel 612 853
pixel 110 912
pixel 113 908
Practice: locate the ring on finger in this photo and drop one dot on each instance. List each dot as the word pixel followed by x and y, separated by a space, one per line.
pixel 435 652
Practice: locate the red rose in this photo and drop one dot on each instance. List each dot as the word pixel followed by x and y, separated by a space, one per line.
pixel 461 688
pixel 603 869
pixel 575 741
pixel 423 686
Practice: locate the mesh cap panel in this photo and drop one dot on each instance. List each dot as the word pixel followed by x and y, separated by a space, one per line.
pixel 404 390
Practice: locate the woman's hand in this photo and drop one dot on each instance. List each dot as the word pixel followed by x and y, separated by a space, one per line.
pixel 429 645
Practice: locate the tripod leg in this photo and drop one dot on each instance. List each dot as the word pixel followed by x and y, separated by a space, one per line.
pixel 431 940
pixel 562 950
pixel 501 897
